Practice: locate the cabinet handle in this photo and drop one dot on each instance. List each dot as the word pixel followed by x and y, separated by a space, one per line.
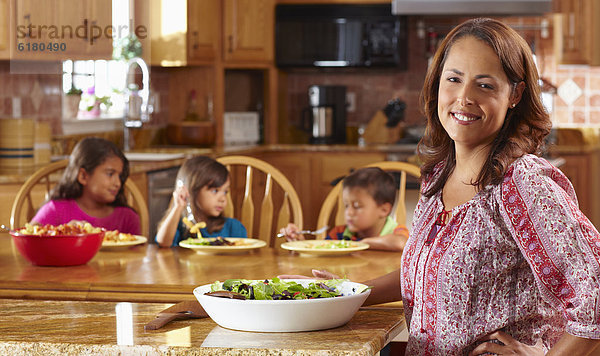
pixel 230 43
pixel 195 40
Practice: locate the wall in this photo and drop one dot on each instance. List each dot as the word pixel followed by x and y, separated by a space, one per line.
pixel 41 94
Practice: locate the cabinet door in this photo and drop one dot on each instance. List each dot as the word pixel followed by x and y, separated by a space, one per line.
pixel 72 20
pixel 249 28
pixel 36 25
pixel 577 32
pixel 203 30
pixel 99 14
pixel 4 23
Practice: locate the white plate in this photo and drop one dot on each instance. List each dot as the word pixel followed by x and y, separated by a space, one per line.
pixel 284 315
pixel 310 247
pixel 247 245
pixel 113 245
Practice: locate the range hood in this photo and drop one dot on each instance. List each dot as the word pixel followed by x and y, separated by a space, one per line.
pixel 471 7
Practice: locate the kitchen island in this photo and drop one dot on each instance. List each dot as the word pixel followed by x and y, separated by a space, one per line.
pixel 105 328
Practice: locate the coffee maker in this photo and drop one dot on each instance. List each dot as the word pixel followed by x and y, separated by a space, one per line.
pixel 325 117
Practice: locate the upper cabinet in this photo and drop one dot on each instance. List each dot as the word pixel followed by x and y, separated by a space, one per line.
pixel 4 23
pixel 203 32
pixel 248 30
pixel 577 31
pixel 61 29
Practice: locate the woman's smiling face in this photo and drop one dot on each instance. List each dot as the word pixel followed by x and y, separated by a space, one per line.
pixel 474 93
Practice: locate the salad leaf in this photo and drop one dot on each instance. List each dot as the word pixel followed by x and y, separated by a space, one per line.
pixel 277 289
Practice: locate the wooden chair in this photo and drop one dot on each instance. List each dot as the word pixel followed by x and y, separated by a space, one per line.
pixel 242 207
pixel 334 198
pixel 36 188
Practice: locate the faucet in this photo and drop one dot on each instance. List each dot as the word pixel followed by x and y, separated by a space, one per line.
pixel 136 119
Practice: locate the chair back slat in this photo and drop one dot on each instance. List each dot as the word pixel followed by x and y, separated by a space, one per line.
pixel 400 203
pixel 229 209
pixel 247 213
pixel 266 212
pixel 339 215
pixel 283 217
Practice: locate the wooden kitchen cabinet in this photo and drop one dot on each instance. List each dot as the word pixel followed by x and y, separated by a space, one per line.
pixel 577 31
pixel 66 24
pixel 248 30
pixel 582 167
pixel 203 35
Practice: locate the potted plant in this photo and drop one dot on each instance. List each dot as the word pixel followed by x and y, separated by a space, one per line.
pixel 70 102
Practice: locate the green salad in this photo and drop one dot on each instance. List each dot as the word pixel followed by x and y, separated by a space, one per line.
pixel 277 289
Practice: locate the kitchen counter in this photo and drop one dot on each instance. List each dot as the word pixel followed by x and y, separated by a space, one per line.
pixel 19 175
pixel 69 327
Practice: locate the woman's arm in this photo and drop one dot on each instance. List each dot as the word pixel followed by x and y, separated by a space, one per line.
pixel 385 289
pixel 574 346
pixel 389 242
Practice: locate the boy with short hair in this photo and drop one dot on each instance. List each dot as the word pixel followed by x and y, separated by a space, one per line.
pixel 368 195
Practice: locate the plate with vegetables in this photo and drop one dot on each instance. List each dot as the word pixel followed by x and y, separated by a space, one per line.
pixel 222 245
pixel 325 247
pixel 282 305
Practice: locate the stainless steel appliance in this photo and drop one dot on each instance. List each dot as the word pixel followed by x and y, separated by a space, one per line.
pixel 160 190
pixel 325 117
pixel 340 35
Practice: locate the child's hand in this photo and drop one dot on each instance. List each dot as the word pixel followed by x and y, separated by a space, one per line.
pixel 180 196
pixel 291 233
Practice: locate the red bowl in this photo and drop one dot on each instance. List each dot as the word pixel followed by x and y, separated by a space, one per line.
pixel 62 250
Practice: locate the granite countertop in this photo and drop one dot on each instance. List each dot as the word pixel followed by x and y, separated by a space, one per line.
pixel 36 327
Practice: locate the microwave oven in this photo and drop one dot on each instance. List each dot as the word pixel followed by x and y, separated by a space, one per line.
pixel 340 35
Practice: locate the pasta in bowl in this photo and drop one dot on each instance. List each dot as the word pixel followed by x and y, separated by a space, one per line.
pixel 60 245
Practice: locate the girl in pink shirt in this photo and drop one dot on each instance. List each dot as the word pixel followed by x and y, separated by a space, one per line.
pixel 91 189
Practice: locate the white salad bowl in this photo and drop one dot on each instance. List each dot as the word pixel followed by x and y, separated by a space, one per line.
pixel 284 315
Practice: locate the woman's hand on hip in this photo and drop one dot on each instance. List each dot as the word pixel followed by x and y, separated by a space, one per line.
pixel 500 343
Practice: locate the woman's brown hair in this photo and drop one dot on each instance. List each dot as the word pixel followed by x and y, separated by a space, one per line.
pixel 525 125
pixel 199 172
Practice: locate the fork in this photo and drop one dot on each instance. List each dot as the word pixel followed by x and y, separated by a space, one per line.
pixel 308 232
pixel 188 207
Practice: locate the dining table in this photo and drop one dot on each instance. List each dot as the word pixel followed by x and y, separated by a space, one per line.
pixel 86 308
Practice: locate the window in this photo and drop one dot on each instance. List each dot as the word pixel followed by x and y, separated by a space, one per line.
pixel 101 78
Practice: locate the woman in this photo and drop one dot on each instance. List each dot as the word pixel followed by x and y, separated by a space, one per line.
pixel 500 259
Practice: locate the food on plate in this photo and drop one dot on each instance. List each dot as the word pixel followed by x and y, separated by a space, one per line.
pixel 217 241
pixel 194 228
pixel 116 236
pixel 277 289
pixel 335 245
pixel 59 230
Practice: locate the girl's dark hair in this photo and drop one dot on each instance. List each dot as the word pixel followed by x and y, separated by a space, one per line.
pixel 525 125
pixel 378 183
pixel 198 172
pixel 88 154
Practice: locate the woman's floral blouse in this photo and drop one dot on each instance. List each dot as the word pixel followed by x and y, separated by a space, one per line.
pixel 519 257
